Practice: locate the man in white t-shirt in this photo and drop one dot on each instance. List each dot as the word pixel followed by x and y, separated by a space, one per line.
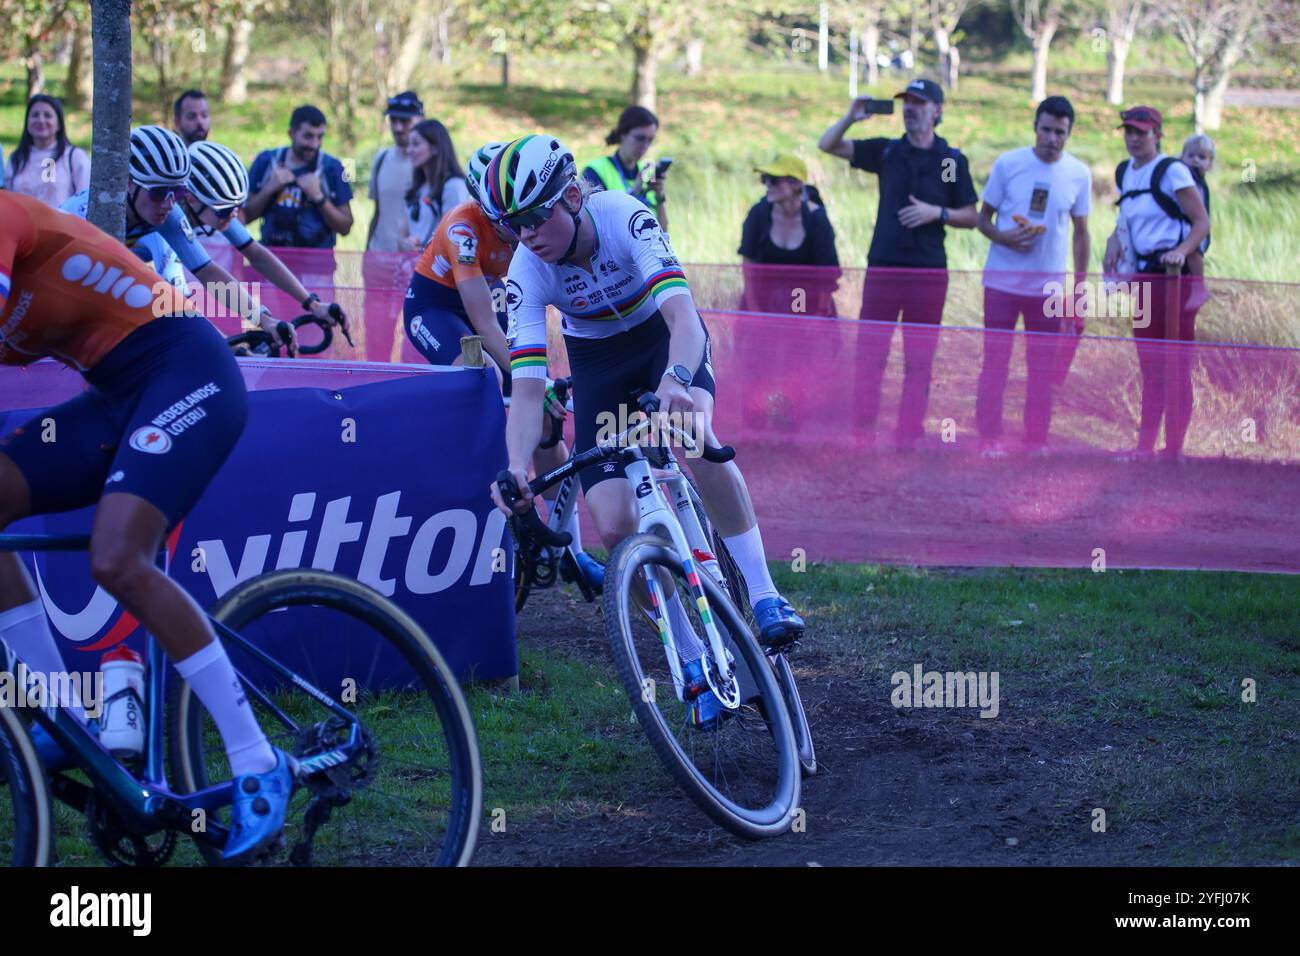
pixel 1033 195
pixel 390 175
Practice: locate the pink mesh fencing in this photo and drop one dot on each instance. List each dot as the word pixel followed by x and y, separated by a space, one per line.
pixel 943 445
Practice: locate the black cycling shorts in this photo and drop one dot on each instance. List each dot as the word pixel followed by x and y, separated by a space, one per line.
pixel 435 319
pixel 606 371
pixel 162 414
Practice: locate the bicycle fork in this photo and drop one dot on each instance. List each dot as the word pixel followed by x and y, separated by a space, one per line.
pixel 656 515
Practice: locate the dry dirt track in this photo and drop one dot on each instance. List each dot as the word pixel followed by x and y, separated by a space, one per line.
pixel 895 788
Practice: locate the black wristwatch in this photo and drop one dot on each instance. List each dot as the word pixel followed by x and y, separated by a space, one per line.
pixel 306 303
pixel 943 215
pixel 680 374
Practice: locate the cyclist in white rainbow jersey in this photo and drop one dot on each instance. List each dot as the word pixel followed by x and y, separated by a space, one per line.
pixel 629 321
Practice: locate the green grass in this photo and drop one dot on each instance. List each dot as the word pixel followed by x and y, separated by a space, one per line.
pixel 1131 682
pixel 719 124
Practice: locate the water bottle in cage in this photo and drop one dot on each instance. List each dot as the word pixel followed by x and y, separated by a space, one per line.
pixel 122 724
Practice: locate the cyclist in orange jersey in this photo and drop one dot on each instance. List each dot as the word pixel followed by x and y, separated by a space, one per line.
pixel 165 405
pixel 456 291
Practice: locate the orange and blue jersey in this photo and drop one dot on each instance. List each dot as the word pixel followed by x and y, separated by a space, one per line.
pixel 464 246
pixel 69 291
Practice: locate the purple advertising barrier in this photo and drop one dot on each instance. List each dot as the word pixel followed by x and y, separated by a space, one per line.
pixel 384 482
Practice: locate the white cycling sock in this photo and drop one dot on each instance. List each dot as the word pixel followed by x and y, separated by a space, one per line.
pixel 213 678
pixel 747 550
pixel 27 632
pixel 689 645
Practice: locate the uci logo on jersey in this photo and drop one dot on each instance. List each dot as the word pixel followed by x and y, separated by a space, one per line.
pixel 110 281
pixel 643 226
pixel 575 287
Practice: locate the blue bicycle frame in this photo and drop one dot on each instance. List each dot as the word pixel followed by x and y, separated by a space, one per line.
pixel 148 804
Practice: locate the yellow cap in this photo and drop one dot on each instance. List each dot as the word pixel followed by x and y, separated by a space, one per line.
pixel 785 164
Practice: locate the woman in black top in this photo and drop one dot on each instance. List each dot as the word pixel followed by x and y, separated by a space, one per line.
pixel 789 227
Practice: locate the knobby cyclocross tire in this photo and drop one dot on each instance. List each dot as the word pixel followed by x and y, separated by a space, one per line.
pixel 26 812
pixel 620 611
pixel 261 596
pixel 738 591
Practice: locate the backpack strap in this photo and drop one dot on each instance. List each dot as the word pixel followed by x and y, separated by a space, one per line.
pixel 1168 204
pixel 1120 170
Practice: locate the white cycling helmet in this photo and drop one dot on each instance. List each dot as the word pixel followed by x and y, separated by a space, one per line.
pixel 217 177
pixel 477 166
pixel 527 173
pixel 158 157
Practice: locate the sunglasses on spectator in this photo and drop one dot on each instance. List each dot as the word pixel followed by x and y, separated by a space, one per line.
pixel 767 180
pixel 532 218
pixel 163 193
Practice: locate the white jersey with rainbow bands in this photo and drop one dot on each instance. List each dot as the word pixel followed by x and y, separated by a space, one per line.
pixel 633 272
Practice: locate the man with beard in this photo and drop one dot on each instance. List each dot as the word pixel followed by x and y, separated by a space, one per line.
pixel 192 119
pixel 925 185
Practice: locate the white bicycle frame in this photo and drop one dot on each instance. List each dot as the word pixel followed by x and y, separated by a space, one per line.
pixel 681 526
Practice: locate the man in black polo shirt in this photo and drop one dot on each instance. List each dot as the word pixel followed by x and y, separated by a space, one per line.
pixel 925 185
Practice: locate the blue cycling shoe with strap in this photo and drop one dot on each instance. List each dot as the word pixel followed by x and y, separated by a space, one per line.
pixel 778 625
pixel 259 803
pixel 705 712
pixel 592 570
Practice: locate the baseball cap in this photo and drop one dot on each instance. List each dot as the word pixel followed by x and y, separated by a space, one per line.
pixel 405 103
pixel 1143 117
pixel 926 89
pixel 785 164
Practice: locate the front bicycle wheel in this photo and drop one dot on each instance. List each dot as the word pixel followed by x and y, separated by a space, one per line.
pixel 26 813
pixel 738 591
pixel 745 773
pixel 412 793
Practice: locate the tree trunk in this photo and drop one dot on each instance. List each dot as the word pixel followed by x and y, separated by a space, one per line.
pixel 694 56
pixel 645 67
pixel 414 43
pixel 35 68
pixel 1116 55
pixel 1042 45
pixel 505 70
pixel 945 56
pixel 79 88
pixel 914 36
pixel 871 49
pixel 1214 100
pixel 952 67
pixel 444 39
pixel 111 21
pixel 234 59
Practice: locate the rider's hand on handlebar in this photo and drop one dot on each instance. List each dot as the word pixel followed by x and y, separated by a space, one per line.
pixel 282 332
pixel 332 313
pixel 525 500
pixel 674 397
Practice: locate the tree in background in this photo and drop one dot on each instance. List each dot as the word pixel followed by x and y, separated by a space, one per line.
pixel 1122 19
pixel 79 87
pixel 1039 20
pixel 944 17
pixel 29 26
pixel 111 29
pixel 1216 33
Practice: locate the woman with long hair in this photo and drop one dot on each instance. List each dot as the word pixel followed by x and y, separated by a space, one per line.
pixel 437 185
pixel 45 165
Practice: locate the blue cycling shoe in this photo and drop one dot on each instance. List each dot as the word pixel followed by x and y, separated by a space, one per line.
pixel 705 712
pixel 592 570
pixel 778 625
pixel 258 808
pixel 51 752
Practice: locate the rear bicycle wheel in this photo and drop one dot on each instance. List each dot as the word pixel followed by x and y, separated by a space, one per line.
pixel 412 793
pixel 26 812
pixel 744 774
pixel 738 591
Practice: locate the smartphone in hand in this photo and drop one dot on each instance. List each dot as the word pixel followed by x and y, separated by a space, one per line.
pixel 661 167
pixel 879 107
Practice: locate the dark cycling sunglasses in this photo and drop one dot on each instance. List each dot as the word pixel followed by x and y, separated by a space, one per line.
pixel 533 218
pixel 768 180
pixel 160 193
